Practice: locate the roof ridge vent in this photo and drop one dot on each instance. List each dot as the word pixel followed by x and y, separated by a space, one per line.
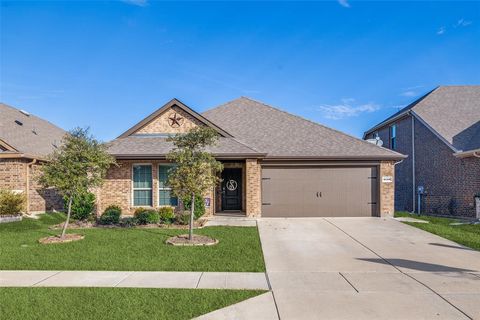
pixel 25 112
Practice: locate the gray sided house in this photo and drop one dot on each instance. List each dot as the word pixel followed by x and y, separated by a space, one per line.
pixel 276 164
pixel 440 133
pixel 25 142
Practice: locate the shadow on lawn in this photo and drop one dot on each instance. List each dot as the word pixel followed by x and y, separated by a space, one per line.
pixel 416 265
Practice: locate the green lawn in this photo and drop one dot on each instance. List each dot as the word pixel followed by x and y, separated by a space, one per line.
pixel 126 249
pixel 114 303
pixel 467 235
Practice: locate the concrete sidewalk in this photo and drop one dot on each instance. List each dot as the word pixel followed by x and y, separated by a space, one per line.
pixel 135 279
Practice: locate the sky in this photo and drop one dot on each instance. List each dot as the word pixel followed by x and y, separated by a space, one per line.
pixel 345 64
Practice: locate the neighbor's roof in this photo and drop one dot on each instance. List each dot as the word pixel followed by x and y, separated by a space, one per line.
pixel 282 135
pixel 26 134
pixel 453 112
pixel 144 146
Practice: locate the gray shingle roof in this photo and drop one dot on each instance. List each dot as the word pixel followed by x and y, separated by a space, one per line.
pixel 452 111
pixel 281 134
pixel 35 137
pixel 151 146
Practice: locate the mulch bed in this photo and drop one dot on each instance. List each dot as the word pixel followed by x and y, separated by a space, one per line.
pixel 69 237
pixel 89 224
pixel 74 225
pixel 198 240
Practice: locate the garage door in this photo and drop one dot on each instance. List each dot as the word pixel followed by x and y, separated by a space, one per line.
pixel 319 192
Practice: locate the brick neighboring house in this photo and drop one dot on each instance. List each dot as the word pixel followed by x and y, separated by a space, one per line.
pixel 25 141
pixel 276 164
pixel 440 133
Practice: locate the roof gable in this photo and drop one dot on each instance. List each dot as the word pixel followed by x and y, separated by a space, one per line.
pixel 173 117
pixel 451 112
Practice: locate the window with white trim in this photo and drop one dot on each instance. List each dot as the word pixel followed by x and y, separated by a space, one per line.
pixel 165 195
pixel 142 185
pixel 393 137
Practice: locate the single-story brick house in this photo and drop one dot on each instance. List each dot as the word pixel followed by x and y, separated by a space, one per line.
pixel 25 142
pixel 440 133
pixel 275 164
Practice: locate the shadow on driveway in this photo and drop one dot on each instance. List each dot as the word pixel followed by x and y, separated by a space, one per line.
pixel 416 265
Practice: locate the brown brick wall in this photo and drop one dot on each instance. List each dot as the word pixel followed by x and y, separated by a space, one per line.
pixel 387 189
pixel 161 125
pixel 117 188
pixel 450 183
pixel 13 177
pixel 253 188
pixel 403 170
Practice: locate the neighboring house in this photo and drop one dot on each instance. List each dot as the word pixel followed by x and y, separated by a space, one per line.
pixel 440 133
pixel 25 142
pixel 275 164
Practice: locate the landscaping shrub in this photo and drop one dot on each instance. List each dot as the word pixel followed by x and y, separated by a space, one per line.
pixel 11 203
pixel 82 205
pixel 183 218
pixel 199 209
pixel 166 214
pixel 111 215
pixel 128 222
pixel 147 216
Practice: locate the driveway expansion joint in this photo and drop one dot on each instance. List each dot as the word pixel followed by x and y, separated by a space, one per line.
pixel 348 281
pixel 408 275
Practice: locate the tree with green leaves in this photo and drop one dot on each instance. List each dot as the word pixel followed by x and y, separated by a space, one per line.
pixel 196 170
pixel 77 166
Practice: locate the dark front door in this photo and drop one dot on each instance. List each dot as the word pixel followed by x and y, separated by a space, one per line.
pixel 232 189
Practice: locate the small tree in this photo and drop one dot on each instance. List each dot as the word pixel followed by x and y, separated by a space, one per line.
pixel 80 164
pixel 196 169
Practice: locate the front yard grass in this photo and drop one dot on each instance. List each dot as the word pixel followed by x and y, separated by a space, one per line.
pixel 114 303
pixel 465 234
pixel 126 249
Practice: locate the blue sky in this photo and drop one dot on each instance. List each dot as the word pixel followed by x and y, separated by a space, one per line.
pixel 345 64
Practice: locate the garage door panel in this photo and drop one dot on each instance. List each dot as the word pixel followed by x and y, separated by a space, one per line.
pixel 319 192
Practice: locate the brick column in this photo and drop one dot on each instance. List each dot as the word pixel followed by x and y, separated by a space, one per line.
pixel 253 188
pixel 387 188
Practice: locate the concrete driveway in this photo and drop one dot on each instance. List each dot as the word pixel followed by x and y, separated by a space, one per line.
pixel 367 268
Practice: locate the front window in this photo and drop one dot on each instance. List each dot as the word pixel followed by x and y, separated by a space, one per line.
pixel 165 195
pixel 142 185
pixel 393 137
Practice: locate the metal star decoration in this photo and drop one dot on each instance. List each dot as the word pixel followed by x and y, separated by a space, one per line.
pixel 175 120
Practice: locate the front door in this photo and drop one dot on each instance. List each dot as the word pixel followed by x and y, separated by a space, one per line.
pixel 232 189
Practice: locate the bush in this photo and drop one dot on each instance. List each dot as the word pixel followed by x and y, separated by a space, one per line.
pixel 199 209
pixel 183 218
pixel 147 216
pixel 111 215
pixel 128 222
pixel 82 205
pixel 11 203
pixel 166 214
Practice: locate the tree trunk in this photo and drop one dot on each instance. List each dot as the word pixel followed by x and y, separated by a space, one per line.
pixel 69 211
pixel 192 210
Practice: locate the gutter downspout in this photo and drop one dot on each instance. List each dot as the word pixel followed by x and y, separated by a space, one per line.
pixel 27 177
pixel 413 162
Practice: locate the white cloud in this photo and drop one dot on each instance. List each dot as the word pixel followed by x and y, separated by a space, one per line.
pixel 139 3
pixel 463 23
pixel 344 3
pixel 441 31
pixel 347 109
pixel 408 93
